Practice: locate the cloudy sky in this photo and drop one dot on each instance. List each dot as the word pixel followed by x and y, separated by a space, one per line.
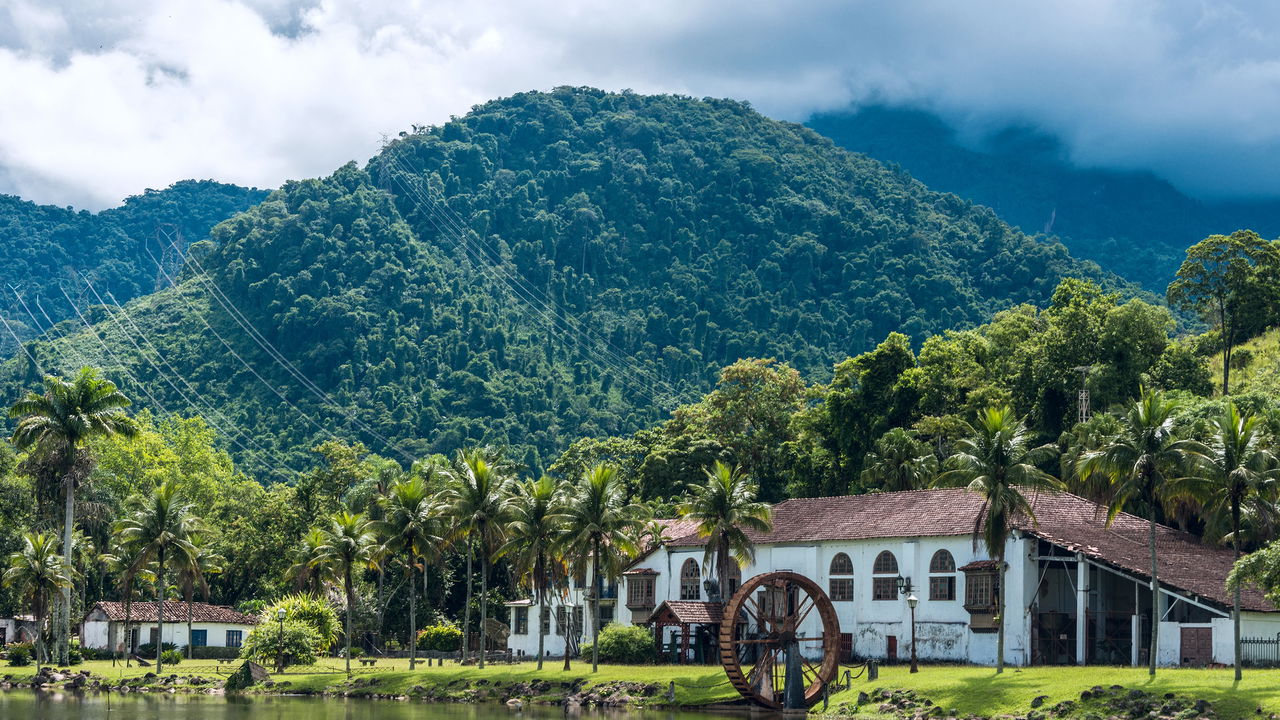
pixel 102 98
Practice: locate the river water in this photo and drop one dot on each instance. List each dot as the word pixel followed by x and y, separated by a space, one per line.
pixel 21 705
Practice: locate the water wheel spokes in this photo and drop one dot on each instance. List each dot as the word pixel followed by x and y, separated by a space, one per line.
pixel 775 649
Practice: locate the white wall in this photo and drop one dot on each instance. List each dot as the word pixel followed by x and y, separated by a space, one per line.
pixel 95 633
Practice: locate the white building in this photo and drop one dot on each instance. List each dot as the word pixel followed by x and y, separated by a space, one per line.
pixel 17 629
pixel 1077 589
pixel 212 625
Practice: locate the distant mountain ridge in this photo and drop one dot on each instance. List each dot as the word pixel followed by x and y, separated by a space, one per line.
pixel 548 267
pixel 45 249
pixel 1131 223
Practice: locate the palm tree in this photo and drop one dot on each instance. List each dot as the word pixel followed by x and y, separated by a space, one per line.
pixel 59 423
pixel 193 573
pixel 38 573
pixel 478 501
pixel 997 462
pixel 164 530
pixel 1240 475
pixel 123 561
pixel 598 518
pixel 1144 462
pixel 411 526
pixel 533 535
pixel 349 544
pixel 305 573
pixel 900 462
pixel 725 507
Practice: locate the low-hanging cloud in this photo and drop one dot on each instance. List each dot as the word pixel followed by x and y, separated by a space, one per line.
pixel 104 98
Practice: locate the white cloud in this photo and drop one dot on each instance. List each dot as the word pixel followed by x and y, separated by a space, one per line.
pixel 102 99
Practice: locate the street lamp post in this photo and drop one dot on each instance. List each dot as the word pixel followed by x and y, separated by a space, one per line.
pixel 280 643
pixel 912 601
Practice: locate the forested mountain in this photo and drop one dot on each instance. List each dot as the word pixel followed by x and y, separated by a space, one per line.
pixel 548 267
pixel 44 248
pixel 1131 223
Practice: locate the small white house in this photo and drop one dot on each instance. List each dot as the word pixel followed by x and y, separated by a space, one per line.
pixel 1077 588
pixel 211 625
pixel 17 629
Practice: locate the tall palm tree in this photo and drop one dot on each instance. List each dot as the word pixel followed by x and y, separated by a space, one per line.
pixel 725 508
pixel 1240 474
pixel 1145 463
pixel 411 528
pixel 193 574
pixel 38 573
pixel 478 499
pixel 997 461
pixel 599 524
pixel 123 561
pixel 305 573
pixel 164 529
pixel 59 422
pixel 533 535
pixel 350 544
pixel 900 462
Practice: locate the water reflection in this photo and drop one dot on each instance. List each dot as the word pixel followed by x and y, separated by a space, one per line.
pixel 20 705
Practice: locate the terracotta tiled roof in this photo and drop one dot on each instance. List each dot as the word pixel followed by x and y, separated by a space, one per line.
pixel 672 528
pixel 980 565
pixel 689 611
pixel 641 571
pixel 175 611
pixel 1066 520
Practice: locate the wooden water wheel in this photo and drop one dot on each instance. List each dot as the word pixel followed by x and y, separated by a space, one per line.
pixel 780 640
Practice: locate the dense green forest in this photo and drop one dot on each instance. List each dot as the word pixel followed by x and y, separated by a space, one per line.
pixel 45 249
pixel 1133 224
pixel 548 267
pixel 621 292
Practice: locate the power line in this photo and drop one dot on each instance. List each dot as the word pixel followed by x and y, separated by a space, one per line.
pixel 245 324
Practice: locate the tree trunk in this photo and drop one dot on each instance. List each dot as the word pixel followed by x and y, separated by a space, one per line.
pixel 1000 605
pixel 190 645
pixel 595 607
pixel 466 612
pixel 346 581
pixel 382 602
pixel 484 605
pixel 1226 350
pixel 542 608
pixel 413 621
pixel 128 632
pixel 39 641
pixel 68 521
pixel 722 567
pixel 160 613
pixel 1235 595
pixel 1155 598
pixel 564 630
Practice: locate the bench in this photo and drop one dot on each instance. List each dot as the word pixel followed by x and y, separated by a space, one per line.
pixel 224 661
pixel 368 661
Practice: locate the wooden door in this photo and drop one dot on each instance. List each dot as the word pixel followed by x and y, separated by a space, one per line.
pixel 1197 646
pixel 846 646
pixel 892 653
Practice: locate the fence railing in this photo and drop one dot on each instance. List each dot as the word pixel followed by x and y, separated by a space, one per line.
pixel 1260 651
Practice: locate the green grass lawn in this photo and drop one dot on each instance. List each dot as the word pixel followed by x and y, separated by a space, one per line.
pixel 969 690
pixel 981 691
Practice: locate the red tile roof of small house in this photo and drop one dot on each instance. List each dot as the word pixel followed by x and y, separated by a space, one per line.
pixel 1066 520
pixel 174 611
pixel 688 611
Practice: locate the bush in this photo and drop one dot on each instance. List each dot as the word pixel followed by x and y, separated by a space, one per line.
pixel 310 609
pixel 148 650
pixel 441 637
pixel 171 657
pixel 356 651
pixel 75 655
pixel 624 644
pixel 299 643
pixel 20 654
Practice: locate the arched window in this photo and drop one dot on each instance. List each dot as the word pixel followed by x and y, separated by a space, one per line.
pixel 735 579
pixel 690 580
pixel 884 586
pixel 942 576
pixel 841 588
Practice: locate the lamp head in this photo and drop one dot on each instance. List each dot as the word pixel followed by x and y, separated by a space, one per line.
pixel 912 600
pixel 280 614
